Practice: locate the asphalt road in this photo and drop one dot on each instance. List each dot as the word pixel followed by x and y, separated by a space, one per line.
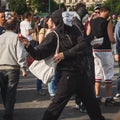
pixel 31 106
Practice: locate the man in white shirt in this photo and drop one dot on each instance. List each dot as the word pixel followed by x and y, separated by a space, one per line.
pixel 25 26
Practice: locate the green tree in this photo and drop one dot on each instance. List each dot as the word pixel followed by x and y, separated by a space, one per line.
pixel 33 5
pixel 18 6
pixel 44 5
pixel 114 4
pixel 91 8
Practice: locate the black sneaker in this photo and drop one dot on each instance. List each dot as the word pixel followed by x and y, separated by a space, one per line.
pixel 111 102
pixel 77 107
pixel 83 109
pixel 117 96
pixel 41 92
pixel 99 99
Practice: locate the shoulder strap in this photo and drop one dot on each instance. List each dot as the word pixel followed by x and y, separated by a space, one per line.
pixel 57 48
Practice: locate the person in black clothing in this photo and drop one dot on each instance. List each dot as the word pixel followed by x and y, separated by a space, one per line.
pixel 83 13
pixel 72 65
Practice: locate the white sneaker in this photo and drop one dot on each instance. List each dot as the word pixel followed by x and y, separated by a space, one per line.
pixel 52 94
pixel 117 96
pixel 77 106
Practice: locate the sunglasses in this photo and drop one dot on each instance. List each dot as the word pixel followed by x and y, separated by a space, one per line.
pixel 97 12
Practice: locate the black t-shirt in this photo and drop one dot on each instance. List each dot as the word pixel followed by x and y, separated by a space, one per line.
pixel 2 30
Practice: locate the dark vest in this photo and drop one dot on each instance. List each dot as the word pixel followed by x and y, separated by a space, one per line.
pixel 99 29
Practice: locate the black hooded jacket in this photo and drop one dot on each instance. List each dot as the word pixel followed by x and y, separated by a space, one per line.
pixel 72 44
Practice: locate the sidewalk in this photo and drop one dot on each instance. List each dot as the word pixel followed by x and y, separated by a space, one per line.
pixel 31 106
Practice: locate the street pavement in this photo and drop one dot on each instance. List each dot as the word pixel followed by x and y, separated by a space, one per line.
pixel 31 106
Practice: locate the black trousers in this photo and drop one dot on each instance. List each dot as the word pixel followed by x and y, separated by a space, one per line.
pixel 90 73
pixel 9 80
pixel 71 83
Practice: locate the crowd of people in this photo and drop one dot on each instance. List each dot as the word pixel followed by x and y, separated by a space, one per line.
pixel 85 58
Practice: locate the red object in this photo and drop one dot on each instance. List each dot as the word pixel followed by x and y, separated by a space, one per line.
pixel 29 60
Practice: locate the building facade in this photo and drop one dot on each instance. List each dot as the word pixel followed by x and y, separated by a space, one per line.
pixel 73 2
pixel 4 4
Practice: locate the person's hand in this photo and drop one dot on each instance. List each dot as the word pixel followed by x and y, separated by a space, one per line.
pixel 24 73
pixel 23 40
pixel 92 16
pixel 58 57
pixel 117 57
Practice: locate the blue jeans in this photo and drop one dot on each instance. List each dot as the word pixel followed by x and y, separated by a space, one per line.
pixel 9 80
pixel 52 85
pixel 39 84
pixel 118 80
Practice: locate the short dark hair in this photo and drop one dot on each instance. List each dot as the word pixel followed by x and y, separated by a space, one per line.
pixel 105 8
pixel 11 24
pixel 27 14
pixel 45 22
pixel 79 5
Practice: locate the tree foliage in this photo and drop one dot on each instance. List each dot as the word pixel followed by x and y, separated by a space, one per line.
pixel 19 6
pixel 91 8
pixel 44 5
pixel 114 4
pixel 33 6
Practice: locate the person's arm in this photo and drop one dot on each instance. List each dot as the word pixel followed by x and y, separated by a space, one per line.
pixel 21 57
pixel 29 29
pixel 43 50
pixel 78 49
pixel 81 43
pixel 117 46
pixel 110 32
pixel 88 31
pixel 41 35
